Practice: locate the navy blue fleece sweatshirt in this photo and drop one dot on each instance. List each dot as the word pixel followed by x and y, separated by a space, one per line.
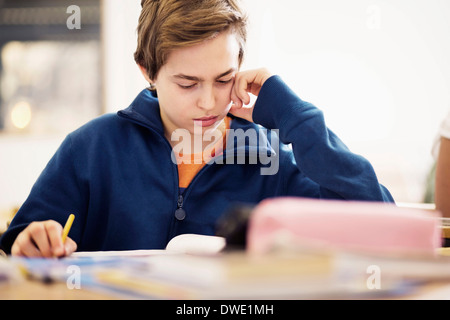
pixel 116 174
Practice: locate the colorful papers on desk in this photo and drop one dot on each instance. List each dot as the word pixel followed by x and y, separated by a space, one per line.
pixel 8 272
pixel 117 254
pixel 77 273
pixel 283 275
pixel 227 276
pixel 168 275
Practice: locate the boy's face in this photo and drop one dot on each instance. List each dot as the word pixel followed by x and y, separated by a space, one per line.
pixel 194 86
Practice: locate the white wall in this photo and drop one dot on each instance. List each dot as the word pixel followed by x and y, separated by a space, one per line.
pixel 122 78
pixel 22 158
pixel 380 70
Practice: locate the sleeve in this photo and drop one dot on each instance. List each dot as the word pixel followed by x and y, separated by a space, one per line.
pixel 55 195
pixel 323 165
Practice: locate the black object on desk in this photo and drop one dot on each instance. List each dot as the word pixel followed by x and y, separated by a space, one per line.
pixel 233 225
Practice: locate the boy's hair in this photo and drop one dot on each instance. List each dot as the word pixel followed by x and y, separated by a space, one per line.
pixel 165 25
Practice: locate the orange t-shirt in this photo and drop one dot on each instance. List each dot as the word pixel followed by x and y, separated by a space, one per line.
pixel 187 171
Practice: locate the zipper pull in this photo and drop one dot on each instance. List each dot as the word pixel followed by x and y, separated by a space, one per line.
pixel 180 214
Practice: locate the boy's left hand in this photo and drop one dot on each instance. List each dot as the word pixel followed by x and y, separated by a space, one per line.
pixel 247 82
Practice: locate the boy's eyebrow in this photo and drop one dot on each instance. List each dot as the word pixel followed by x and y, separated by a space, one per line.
pixel 194 78
pixel 231 70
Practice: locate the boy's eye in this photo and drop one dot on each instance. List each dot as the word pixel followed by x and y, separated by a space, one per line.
pixel 225 81
pixel 190 86
pixel 187 86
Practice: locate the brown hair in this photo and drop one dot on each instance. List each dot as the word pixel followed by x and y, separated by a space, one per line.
pixel 165 25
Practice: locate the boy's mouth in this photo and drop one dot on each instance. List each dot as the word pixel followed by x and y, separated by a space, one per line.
pixel 206 121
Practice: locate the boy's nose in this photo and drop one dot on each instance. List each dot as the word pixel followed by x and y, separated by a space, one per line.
pixel 207 99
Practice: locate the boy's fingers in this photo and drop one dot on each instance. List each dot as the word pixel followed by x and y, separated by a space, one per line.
pixel 30 250
pixel 241 88
pixel 244 113
pixel 40 239
pixel 236 101
pixel 251 81
pixel 15 249
pixel 70 246
pixel 23 246
pixel 38 235
pixel 54 231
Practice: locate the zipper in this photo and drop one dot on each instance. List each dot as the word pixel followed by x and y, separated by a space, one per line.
pixel 180 214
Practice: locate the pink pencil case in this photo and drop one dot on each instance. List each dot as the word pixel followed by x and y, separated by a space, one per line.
pixel 368 226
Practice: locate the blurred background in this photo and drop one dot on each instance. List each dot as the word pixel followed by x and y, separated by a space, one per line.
pixel 380 71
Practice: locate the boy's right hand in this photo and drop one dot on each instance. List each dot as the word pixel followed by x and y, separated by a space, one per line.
pixel 245 82
pixel 42 239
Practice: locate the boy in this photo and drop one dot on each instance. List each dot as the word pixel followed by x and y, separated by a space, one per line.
pixel 134 179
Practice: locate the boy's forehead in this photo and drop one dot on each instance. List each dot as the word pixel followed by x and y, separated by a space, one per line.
pixel 211 57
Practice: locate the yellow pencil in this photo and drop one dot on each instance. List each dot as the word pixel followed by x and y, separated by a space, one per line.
pixel 67 227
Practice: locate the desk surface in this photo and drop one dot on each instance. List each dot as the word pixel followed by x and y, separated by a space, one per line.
pixel 36 290
pixel 436 288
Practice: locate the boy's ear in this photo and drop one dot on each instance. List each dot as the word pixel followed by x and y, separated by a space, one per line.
pixel 145 73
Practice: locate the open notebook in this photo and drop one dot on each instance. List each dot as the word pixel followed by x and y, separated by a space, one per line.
pixel 184 243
